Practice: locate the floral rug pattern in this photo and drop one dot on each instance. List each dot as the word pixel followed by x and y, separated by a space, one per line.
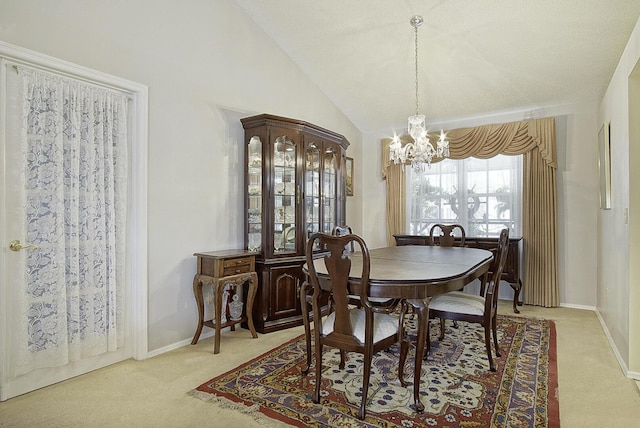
pixel 457 388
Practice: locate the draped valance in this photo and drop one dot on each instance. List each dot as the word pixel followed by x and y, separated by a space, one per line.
pixel 514 138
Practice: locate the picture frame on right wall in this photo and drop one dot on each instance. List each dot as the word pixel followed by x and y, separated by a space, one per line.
pixel 604 165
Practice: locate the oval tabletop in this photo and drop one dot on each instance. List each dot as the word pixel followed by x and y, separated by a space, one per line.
pixel 395 271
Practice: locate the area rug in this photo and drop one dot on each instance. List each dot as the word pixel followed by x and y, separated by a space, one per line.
pixel 457 388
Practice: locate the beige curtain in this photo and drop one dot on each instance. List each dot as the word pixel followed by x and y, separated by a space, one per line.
pixel 396 194
pixel 536 140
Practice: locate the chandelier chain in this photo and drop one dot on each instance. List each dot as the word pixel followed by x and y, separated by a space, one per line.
pixel 416 36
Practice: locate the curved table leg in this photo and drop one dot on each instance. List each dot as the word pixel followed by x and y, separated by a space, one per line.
pixel 218 290
pixel 234 281
pixel 218 286
pixel 251 295
pixel 197 292
pixel 516 296
pixel 421 308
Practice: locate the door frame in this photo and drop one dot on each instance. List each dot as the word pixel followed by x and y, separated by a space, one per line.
pixel 137 221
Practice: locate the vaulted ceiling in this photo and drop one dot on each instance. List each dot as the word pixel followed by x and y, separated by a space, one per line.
pixel 476 57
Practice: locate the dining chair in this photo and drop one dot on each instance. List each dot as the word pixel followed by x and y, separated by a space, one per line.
pixel 389 304
pixel 367 329
pixel 382 304
pixel 305 301
pixel 461 306
pixel 446 237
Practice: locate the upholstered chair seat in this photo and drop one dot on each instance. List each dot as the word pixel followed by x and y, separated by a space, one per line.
pixel 458 302
pixel 384 325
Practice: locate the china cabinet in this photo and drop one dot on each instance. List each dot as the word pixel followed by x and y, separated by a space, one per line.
pixel 295 186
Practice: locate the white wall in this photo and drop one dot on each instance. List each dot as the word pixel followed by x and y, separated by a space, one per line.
pixel 618 242
pixel 576 128
pixel 206 65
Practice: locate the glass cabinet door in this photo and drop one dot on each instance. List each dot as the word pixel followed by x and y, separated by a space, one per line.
pixel 312 190
pixel 329 189
pixel 284 196
pixel 254 194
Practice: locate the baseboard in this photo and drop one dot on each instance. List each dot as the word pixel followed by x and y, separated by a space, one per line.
pixel 584 307
pixel 616 352
pixel 177 345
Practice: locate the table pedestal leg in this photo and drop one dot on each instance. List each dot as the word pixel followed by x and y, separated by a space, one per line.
pixel 421 308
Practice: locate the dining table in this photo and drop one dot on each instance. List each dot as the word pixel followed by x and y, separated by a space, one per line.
pixel 415 274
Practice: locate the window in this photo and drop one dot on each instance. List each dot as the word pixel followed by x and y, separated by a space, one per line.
pixel 484 195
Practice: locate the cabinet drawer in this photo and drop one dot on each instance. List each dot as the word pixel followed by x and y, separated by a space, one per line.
pixel 237 262
pixel 236 270
pixel 236 266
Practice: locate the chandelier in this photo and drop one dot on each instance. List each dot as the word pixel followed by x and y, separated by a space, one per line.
pixel 421 151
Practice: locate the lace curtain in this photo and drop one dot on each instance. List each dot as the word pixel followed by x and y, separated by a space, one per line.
pixel 74 143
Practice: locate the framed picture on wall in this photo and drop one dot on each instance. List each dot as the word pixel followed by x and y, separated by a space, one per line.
pixel 349 176
pixel 604 164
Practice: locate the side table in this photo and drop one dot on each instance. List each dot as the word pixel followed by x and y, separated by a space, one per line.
pixel 221 269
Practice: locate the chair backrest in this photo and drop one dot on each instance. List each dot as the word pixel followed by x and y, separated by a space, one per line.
pixel 342 231
pixel 446 237
pixel 338 266
pixel 499 261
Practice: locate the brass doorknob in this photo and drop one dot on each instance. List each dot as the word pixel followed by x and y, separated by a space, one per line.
pixel 17 246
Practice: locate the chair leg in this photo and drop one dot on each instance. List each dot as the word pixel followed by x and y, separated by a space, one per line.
pixel 316 392
pixel 404 350
pixel 365 383
pixel 427 344
pixel 487 343
pixel 442 328
pixel 427 341
pixel 343 359
pixel 307 325
pixel 404 342
pixel 495 336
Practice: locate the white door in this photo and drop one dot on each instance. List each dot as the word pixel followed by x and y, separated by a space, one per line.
pixel 19 255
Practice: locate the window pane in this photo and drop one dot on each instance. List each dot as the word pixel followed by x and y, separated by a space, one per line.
pixel 477 181
pixel 484 195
